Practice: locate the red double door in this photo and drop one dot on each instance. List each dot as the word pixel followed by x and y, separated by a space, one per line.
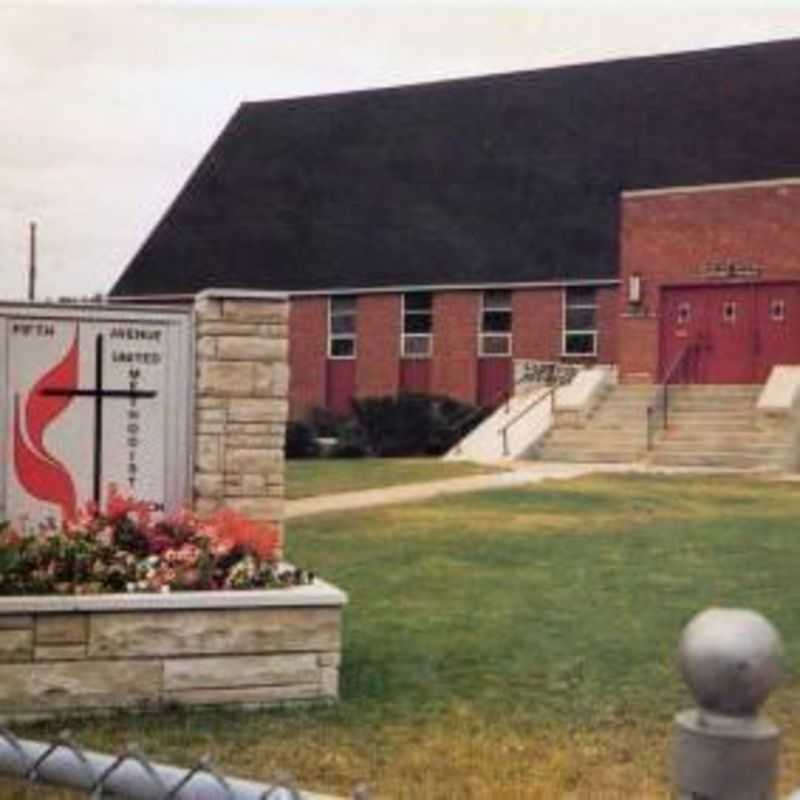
pixel 736 332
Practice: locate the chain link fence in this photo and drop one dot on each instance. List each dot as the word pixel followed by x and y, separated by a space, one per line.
pixel 65 764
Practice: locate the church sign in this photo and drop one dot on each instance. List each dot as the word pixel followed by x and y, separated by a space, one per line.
pixel 729 269
pixel 92 395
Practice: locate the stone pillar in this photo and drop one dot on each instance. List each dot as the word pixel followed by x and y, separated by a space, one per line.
pixel 241 402
pixel 724 749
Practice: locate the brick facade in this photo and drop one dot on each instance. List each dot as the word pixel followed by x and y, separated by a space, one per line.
pixel 308 343
pixel 667 237
pixel 537 323
pixel 378 330
pixel 453 368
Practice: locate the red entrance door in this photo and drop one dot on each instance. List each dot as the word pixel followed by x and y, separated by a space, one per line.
pixel 495 376
pixel 736 333
pixel 340 385
pixel 778 315
pixel 729 352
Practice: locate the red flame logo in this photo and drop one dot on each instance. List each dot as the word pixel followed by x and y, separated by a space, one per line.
pixel 38 471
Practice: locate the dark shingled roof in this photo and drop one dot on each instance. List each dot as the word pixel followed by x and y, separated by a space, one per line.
pixel 507 178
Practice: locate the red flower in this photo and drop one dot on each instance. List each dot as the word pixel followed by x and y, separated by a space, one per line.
pixel 260 538
pixel 118 505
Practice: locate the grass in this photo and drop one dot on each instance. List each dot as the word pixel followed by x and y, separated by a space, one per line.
pixel 314 477
pixel 515 643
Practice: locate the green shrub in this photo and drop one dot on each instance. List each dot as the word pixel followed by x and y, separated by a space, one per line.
pixel 413 424
pixel 301 441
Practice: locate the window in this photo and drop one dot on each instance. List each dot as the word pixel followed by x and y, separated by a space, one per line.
pixel 729 312
pixel 777 310
pixel 342 327
pixel 580 321
pixel 495 332
pixel 417 325
pixel 684 313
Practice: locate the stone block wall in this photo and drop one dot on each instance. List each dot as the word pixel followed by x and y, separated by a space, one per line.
pixel 241 403
pixel 146 652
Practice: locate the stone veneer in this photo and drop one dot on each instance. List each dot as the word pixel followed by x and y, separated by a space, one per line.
pixel 241 402
pixel 146 651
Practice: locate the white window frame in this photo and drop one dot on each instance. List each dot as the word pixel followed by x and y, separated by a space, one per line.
pixel 507 335
pixel 404 337
pixel 342 336
pixel 566 332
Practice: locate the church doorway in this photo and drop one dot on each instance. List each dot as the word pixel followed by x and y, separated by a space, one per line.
pixel 732 333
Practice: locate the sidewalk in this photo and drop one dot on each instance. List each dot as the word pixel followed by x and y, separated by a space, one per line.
pixel 518 473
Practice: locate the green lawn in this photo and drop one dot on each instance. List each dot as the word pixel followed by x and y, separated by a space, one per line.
pixel 515 643
pixel 314 477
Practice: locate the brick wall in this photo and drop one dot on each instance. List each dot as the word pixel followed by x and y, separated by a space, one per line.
pixel 378 331
pixel 607 324
pixel 241 404
pixel 667 237
pixel 539 319
pixel 308 343
pixel 454 366
pixel 537 322
pixel 537 334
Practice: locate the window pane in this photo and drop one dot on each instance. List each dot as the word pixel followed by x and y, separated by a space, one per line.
pixel 416 345
pixel 343 324
pixel 343 304
pixel 497 298
pixel 580 319
pixel 496 321
pixel 581 296
pixel 576 344
pixel 418 301
pixel 495 345
pixel 417 323
pixel 343 348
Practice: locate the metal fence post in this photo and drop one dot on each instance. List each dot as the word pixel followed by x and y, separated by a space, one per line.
pixel 723 749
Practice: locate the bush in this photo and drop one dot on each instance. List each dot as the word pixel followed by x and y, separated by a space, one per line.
pixel 351 441
pixel 325 423
pixel 413 424
pixel 301 441
pixel 129 548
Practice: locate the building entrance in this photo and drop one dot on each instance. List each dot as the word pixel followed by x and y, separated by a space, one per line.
pixel 732 333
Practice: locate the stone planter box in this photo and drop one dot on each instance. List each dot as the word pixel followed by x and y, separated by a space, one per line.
pixel 67 654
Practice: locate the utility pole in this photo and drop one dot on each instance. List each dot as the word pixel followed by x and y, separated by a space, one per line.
pixel 32 265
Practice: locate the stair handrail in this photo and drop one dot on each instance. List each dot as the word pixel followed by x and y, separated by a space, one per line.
pixel 503 396
pixel 551 393
pixel 660 404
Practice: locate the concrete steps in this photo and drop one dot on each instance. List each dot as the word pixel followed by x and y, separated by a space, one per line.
pixel 616 432
pixel 709 426
pixel 718 426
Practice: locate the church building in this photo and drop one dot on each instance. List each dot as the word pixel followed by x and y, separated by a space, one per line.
pixel 433 236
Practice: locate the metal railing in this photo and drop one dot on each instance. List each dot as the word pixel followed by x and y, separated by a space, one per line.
pixel 550 393
pixel 548 373
pixel 658 410
pixel 464 422
pixel 64 764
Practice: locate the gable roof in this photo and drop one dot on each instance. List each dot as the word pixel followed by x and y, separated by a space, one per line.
pixel 505 178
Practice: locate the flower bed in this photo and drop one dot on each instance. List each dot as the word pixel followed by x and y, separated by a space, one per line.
pixel 128 609
pixel 128 548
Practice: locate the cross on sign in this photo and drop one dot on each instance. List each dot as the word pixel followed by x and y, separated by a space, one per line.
pixel 100 393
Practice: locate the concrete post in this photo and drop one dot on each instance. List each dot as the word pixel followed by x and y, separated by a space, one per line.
pixel 723 750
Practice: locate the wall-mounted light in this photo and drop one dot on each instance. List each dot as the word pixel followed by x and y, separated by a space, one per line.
pixel 635 288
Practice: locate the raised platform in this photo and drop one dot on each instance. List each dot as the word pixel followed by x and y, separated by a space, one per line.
pixel 69 654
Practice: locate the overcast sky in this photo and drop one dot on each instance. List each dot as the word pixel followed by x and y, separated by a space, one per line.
pixel 106 108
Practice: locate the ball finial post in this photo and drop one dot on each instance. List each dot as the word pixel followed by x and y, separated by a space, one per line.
pixel 731 659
